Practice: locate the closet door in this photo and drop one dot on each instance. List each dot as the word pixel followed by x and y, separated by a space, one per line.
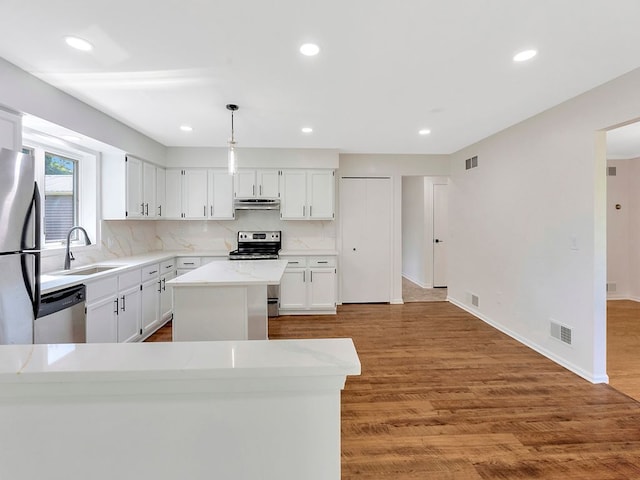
pixel 365 213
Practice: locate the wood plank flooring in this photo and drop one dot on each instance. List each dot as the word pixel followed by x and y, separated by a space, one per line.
pixel 444 396
pixel 623 346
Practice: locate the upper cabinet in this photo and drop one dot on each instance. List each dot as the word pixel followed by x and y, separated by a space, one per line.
pixel 10 130
pixel 261 183
pixel 199 193
pixel 130 188
pixel 307 194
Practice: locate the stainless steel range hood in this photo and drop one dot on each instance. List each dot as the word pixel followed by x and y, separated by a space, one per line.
pixel 256 204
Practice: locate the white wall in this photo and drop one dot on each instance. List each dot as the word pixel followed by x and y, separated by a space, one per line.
pixel 25 93
pixel 414 219
pixel 395 167
pixel 528 226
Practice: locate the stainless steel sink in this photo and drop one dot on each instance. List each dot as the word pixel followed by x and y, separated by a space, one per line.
pixel 89 270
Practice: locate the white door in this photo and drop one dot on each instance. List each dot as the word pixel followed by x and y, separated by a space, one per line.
pixel 365 212
pixel 440 235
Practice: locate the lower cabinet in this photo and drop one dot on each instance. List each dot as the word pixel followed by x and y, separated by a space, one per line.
pixel 309 285
pixel 129 306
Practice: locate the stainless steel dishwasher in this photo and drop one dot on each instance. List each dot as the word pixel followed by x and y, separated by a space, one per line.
pixel 61 317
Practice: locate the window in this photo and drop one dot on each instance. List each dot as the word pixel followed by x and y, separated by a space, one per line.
pixel 68 181
pixel 60 197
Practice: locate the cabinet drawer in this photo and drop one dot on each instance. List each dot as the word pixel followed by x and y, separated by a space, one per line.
pixel 150 271
pixel 189 262
pixel 294 262
pixel 167 266
pixel 322 261
pixel 129 279
pixel 102 288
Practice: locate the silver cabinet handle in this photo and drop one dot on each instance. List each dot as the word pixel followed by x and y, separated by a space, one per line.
pixel 260 190
pixel 304 276
pixel 164 284
pixel 310 207
pixel 204 211
pixel 253 190
pixel 324 261
pixel 116 305
pixel 304 210
pixel 155 271
pixel 189 263
pixel 311 276
pixel 160 285
pixel 124 308
pixel 146 209
pixel 142 208
pixel 159 210
pixel 212 210
pixel 293 262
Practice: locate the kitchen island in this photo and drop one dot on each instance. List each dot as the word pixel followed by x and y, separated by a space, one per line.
pixel 224 300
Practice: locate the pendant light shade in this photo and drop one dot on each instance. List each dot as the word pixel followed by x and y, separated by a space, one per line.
pixel 232 161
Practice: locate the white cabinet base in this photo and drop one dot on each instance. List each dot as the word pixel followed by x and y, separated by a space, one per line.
pixel 219 313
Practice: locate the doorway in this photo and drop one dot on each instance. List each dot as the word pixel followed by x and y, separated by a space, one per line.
pixel 623 261
pixel 424 238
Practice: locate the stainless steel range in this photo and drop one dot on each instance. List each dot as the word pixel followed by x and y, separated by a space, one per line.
pixel 261 246
pixel 257 246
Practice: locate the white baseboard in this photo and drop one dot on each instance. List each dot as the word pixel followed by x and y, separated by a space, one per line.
pixel 541 350
pixel 623 297
pixel 413 280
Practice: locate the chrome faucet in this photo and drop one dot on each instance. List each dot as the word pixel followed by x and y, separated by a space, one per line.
pixel 68 255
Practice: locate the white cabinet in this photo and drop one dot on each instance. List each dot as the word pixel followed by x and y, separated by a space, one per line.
pixel 261 183
pixel 307 194
pixel 220 195
pixel 129 188
pixel 309 285
pixel 129 306
pixel 150 299
pixel 167 272
pixel 160 192
pixel 199 193
pixel 10 130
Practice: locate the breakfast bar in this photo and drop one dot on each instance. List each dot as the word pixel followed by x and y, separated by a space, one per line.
pixel 224 300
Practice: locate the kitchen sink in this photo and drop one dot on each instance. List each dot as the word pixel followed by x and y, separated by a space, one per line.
pixel 89 270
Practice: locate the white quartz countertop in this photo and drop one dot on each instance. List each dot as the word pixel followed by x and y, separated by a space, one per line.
pixel 93 363
pixel 236 272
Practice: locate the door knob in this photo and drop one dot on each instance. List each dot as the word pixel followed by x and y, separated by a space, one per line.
pixel 354 249
pixel 437 240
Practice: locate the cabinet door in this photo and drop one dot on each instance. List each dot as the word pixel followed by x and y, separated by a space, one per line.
pixel 149 189
pixel 220 195
pixel 268 183
pixel 293 192
pixel 245 183
pixel 150 304
pixel 102 321
pixel 173 193
pixel 194 193
pixel 166 297
pixel 321 194
pixel 135 202
pixel 160 192
pixel 293 289
pixel 129 314
pixel 322 288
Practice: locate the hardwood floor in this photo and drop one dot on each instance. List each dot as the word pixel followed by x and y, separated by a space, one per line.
pixel 623 346
pixel 444 396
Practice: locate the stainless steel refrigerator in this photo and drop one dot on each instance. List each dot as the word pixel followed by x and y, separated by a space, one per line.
pixel 19 247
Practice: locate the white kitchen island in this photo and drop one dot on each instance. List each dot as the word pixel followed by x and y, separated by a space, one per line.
pixel 224 300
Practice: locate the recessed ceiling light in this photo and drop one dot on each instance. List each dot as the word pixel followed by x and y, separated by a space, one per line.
pixel 186 128
pixel 525 55
pixel 309 49
pixel 307 129
pixel 424 131
pixel 78 43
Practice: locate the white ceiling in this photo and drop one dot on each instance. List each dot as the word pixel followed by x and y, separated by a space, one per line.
pixel 385 70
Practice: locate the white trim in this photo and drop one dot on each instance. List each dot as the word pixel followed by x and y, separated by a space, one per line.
pixel 541 350
pixel 412 280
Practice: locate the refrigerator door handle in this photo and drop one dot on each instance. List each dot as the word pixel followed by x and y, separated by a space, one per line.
pixel 34 212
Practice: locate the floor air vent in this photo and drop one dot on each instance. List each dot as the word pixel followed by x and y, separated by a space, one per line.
pixel 561 332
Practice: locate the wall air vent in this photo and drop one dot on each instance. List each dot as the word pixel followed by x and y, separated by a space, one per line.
pixel 611 171
pixel 561 332
pixel 612 287
pixel 470 163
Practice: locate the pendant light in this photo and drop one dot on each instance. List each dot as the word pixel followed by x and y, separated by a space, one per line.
pixel 232 160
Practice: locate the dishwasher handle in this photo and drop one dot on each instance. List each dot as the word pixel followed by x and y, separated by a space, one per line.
pixel 61 299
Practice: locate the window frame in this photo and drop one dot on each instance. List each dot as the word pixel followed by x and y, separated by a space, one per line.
pixel 88 189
